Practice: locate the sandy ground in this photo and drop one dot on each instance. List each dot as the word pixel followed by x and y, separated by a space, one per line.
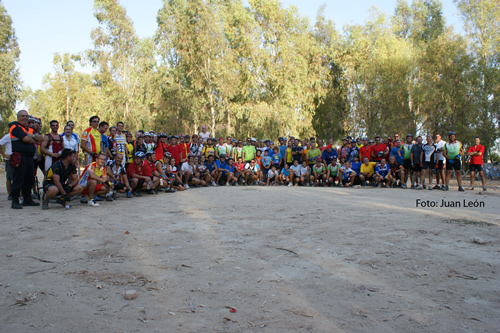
pixel 286 259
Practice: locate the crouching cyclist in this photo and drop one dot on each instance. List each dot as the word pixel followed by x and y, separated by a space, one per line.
pixel 118 177
pixel 94 180
pixel 62 180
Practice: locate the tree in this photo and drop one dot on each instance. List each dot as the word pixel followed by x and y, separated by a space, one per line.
pixel 10 83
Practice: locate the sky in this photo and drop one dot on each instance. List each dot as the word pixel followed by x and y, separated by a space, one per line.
pixel 46 27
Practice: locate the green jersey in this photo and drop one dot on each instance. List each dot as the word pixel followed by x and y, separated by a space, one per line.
pixel 334 169
pixel 406 150
pixel 453 149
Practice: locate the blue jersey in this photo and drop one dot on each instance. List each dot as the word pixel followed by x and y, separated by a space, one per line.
pixel 383 170
pixel 283 151
pixel 328 156
pixel 394 152
pixel 285 172
pixel 104 140
pixel 230 168
pixel 276 159
pixel 356 166
pixel 222 165
pixel 210 167
pixel 266 161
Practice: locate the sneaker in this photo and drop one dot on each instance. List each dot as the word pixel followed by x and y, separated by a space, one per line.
pixel 93 203
pixel 83 200
pixel 135 194
pixel 436 187
pixel 419 187
pixel 109 198
pixel 236 184
pixel 430 188
pixel 461 189
pixel 484 188
pixel 186 187
pixel 447 188
pixel 113 195
pixel 443 188
pixel 67 207
pixel 424 186
pixel 97 198
pixel 470 188
pixel 217 184
pixel 128 195
pixel 412 187
pixel 9 197
pixel 213 183
pixel 289 184
pixel 227 184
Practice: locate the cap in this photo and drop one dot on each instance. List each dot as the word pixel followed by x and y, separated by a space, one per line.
pixel 329 147
pixel 222 156
pixel 409 135
pixel 221 139
pixel 371 141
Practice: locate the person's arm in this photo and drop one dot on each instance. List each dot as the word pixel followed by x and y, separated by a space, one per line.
pixel 43 147
pixel 85 148
pixel 411 157
pixel 110 174
pixel 124 180
pixel 93 176
pixel 444 152
pixel 422 157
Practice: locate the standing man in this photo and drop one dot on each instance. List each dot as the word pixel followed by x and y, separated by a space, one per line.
pixel 452 153
pixel 440 161
pixel 91 141
pixel 476 153
pixel 416 155
pixel 379 150
pixel 406 150
pixel 23 149
pixel 248 152
pixel 204 134
pixel 121 141
pixel 52 145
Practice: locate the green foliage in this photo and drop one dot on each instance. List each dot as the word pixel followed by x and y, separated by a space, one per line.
pixel 10 83
pixel 256 68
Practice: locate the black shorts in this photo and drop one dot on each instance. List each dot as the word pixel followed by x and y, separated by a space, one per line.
pixel 140 183
pixel 417 167
pixel 453 164
pixel 407 164
pixel 190 178
pixel 440 165
pixel 66 187
pixel 369 178
pixel 476 168
pixel 119 186
pixel 428 165
pixel 396 175
pixel 345 181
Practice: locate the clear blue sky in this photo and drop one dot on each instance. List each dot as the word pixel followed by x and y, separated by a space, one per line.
pixel 44 27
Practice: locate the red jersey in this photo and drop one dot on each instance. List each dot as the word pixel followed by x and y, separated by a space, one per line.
pixel 175 151
pixel 162 148
pixel 365 151
pixel 134 169
pixel 477 159
pixel 381 147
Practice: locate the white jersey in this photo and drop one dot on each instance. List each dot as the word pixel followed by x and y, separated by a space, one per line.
pixel 272 174
pixel 296 169
pixel 304 171
pixel 72 143
pixel 428 151
pixel 221 149
pixel 204 136
pixel 440 145
pixel 186 167
pixel 5 141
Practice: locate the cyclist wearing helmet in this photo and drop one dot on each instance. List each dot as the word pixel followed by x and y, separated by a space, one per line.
pixel 452 153
pixel 139 174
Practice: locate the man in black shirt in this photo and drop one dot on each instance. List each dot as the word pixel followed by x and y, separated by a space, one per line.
pixel 62 180
pixel 23 149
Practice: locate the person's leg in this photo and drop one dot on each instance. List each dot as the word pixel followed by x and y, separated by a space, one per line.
pixel 472 177
pixel 76 190
pixel 133 183
pixel 91 185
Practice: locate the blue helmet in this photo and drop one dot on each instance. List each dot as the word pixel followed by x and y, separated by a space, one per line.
pixel 140 154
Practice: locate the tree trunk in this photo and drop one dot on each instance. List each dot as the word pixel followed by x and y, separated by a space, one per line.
pixel 67 108
pixel 212 110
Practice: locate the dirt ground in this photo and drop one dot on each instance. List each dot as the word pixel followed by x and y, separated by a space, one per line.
pixel 286 259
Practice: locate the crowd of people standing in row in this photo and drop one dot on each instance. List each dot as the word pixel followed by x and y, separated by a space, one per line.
pixel 116 161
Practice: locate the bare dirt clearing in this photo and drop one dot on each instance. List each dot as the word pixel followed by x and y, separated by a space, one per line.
pixel 254 259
